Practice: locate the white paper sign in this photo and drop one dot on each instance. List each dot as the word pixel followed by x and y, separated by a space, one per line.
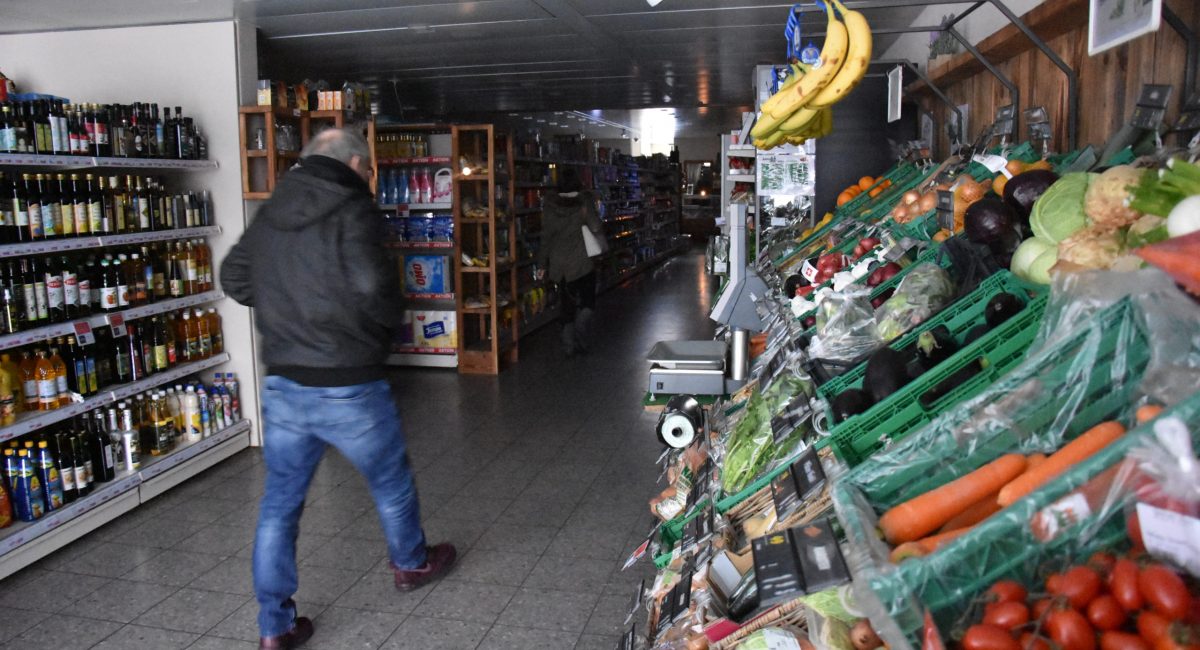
pixel 1171 536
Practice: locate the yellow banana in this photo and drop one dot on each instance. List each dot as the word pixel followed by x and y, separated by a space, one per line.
pixel 798 120
pixel 767 123
pixel 833 52
pixel 798 71
pixel 857 59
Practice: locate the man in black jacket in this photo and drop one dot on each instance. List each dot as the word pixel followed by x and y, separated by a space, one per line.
pixel 313 268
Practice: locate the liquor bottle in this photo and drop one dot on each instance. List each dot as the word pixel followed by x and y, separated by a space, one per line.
pixel 102 127
pixel 102 352
pixel 100 449
pixel 170 139
pixel 10 303
pixel 133 345
pixel 34 207
pixel 214 328
pixel 76 137
pixel 19 230
pixel 176 273
pixel 108 287
pixel 66 205
pixel 122 279
pixel 94 205
pixel 51 208
pixel 41 299
pixel 28 287
pixel 164 426
pixel 138 291
pixel 43 143
pixel 47 384
pixel 112 208
pixel 81 196
pixel 83 462
pixel 121 360
pixel 55 293
pixel 183 136
pixel 191 280
pixel 77 380
pixel 154 133
pixel 7 217
pixel 203 335
pixel 60 375
pixel 89 288
pixel 70 282
pixel 8 130
pixel 139 209
pixel 191 338
pixel 60 139
pixel 27 489
pixel 29 387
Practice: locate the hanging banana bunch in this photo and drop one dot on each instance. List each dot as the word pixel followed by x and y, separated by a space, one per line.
pixel 800 109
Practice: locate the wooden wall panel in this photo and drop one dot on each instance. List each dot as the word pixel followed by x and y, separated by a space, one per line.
pixel 1109 83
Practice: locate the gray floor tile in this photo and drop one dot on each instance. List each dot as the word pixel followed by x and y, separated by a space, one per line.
pixel 109 560
pixel 593 543
pixel 242 624
pixel 326 520
pixel 203 509
pixel 608 617
pixel 324 585
pixel 49 591
pixel 338 628
pixel 122 601
pixel 421 633
pixel 65 633
pixel 14 621
pixel 597 642
pixel 466 601
pixel 504 637
pixel 233 575
pixel 217 643
pixel 137 637
pixel 526 511
pixel 240 489
pixel 376 591
pixel 366 526
pixel 474 508
pixel 160 533
pixel 192 610
pixel 218 539
pixel 494 567
pixel 347 553
pixel 576 574
pixel 460 532
pixel 549 610
pixel 504 536
pixel 175 568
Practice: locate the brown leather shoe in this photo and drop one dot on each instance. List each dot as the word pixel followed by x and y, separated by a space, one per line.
pixel 437 563
pixel 301 631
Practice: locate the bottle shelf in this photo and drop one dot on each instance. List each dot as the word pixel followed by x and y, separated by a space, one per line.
pixel 31 421
pixel 85 162
pixel 28 337
pixel 100 241
pixel 417 160
pixel 22 533
pixel 416 206
pixel 420 245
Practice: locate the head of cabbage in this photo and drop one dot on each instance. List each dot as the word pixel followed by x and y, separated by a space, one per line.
pixel 1058 212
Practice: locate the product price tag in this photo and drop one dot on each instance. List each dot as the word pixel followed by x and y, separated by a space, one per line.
pixel 83 333
pixel 1005 121
pixel 639 551
pixel 783 493
pixel 1151 107
pixel 117 323
pixel 682 597
pixel 994 163
pixel 945 209
pixel 808 473
pixel 629 639
pixel 636 604
pixel 808 271
pixel 1171 536
pixel 793 415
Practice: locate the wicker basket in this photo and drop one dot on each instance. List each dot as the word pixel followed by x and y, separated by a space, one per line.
pixel 791 613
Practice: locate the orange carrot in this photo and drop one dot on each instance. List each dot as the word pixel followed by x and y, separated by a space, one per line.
pixel 924 514
pixel 1147 413
pixel 1088 443
pixel 931 543
pixel 923 546
pixel 1033 460
pixel 977 512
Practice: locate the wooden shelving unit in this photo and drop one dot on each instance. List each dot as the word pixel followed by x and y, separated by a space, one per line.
pixel 261 168
pixel 483 191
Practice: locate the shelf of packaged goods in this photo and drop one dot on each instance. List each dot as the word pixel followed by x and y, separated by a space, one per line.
pixel 429 296
pixel 420 245
pixel 68 328
pixel 417 160
pixel 82 162
pixel 99 241
pixel 31 421
pixel 500 267
pixel 740 178
pixel 124 493
pixel 417 207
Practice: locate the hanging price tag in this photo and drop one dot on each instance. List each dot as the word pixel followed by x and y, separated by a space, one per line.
pixel 629 640
pixel 117 323
pixel 83 333
pixel 945 209
pixel 636 603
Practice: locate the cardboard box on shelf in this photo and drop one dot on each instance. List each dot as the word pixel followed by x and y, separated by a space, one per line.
pixel 435 329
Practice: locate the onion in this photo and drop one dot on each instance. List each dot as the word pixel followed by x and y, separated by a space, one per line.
pixel 971 191
pixel 863 636
pixel 900 213
pixel 910 196
pixel 928 201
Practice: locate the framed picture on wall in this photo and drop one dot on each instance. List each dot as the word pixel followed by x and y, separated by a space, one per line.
pixel 1112 22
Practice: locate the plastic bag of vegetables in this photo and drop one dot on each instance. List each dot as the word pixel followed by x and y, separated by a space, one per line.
pixel 845 326
pixel 921 294
pixel 775 638
pixel 749 446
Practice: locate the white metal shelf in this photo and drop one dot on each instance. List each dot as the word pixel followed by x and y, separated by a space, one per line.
pixel 100 241
pixel 28 337
pixel 741 178
pixel 52 531
pixel 423 360
pixel 31 421
pixel 84 162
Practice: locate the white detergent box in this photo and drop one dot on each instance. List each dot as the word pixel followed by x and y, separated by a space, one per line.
pixel 435 329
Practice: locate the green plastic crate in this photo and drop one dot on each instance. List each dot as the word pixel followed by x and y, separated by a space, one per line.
pixel 672 531
pixel 1095 371
pixel 897 173
pixel 889 420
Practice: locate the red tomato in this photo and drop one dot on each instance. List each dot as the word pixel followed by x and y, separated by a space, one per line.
pixel 1041 608
pixel 1070 630
pixel 1105 613
pixel 1054 582
pixel 1133 530
pixel 1151 626
pixel 1031 641
pixel 1164 591
pixel 1179 636
pixel 1122 641
pixel 1123 582
pixel 1102 562
pixel 1079 585
pixel 1007 615
pixel 1007 591
pixel 988 637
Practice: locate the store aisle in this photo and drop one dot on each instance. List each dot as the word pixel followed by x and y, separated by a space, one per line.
pixel 541 478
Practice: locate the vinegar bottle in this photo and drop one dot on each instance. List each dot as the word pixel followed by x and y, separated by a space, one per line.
pixel 47 383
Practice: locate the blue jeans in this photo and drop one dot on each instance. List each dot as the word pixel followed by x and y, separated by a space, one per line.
pixel 299 421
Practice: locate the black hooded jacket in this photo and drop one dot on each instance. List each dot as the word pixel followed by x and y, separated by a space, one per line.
pixel 312 266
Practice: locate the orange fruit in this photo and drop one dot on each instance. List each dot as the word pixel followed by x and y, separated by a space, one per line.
pixel 1015 167
pixel 843 198
pixel 998 184
pixel 1041 164
pixel 865 183
pixel 876 192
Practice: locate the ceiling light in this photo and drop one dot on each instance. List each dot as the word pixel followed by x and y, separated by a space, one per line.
pixel 653 3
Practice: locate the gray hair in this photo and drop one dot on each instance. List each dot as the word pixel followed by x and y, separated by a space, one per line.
pixel 339 144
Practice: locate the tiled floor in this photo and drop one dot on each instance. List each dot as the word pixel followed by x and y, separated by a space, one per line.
pixel 540 477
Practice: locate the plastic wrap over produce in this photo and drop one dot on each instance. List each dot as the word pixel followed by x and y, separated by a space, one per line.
pixel 845 326
pixel 1107 341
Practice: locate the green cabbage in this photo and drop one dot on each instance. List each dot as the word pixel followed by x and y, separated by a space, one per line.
pixel 1058 213
pixel 1027 252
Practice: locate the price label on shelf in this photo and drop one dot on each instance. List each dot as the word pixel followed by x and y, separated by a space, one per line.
pixel 117 323
pixel 1171 536
pixel 636 603
pixel 945 209
pixel 83 333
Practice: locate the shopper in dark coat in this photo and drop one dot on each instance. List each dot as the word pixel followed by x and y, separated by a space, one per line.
pixel 564 259
pixel 312 266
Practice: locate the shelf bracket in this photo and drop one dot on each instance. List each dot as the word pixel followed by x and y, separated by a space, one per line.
pixel 1193 53
pixel 1013 91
